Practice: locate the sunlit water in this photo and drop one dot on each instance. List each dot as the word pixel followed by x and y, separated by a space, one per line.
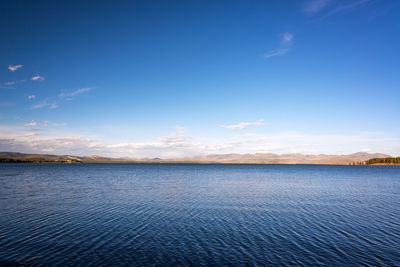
pixel 232 215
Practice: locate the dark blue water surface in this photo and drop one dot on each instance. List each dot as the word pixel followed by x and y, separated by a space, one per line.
pixel 231 215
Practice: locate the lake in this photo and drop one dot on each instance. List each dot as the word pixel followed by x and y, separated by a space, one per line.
pixel 201 215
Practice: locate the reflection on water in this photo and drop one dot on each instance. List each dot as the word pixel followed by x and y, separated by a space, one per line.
pixel 149 214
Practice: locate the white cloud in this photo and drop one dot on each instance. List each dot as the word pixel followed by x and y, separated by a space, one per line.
pixel 59 124
pixel 31 96
pixel 180 129
pixel 286 41
pixel 40 105
pixel 76 92
pixel 180 145
pixel 31 134
pixel 315 6
pixel 278 52
pixel 45 104
pixel 37 78
pixel 44 124
pixel 14 67
pixel 287 37
pixel 13 82
pixel 243 125
pixel 345 8
pixel 32 123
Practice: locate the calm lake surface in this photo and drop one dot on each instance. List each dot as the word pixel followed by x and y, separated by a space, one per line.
pixel 232 215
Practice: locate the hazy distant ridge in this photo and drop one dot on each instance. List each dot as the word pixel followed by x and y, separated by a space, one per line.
pixel 286 158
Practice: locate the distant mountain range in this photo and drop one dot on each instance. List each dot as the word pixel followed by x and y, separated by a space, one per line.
pixel 258 158
pixel 296 158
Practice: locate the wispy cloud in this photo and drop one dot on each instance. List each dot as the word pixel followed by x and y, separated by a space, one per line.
pixel 14 67
pixel 45 104
pixel 32 123
pixel 243 125
pixel 59 124
pixel 345 7
pixel 180 129
pixel 65 96
pixel 14 82
pixel 287 37
pixel 31 134
pixel 37 78
pixel 277 52
pixel 40 105
pixel 286 42
pixel 43 124
pixel 315 6
pixel 31 96
pixel 10 83
pixel 76 92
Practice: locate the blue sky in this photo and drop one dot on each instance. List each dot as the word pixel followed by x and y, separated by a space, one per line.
pixel 181 78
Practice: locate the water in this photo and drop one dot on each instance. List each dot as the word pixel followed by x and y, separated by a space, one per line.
pixel 231 215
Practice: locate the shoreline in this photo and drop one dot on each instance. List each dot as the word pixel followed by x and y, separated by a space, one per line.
pixel 356 159
pixel 194 163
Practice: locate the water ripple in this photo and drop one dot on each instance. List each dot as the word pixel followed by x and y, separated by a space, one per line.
pixel 200 215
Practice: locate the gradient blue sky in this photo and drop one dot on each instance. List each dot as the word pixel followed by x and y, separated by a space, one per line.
pixel 179 78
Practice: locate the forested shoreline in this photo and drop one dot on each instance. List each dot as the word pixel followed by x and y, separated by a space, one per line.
pixel 36 160
pixel 386 161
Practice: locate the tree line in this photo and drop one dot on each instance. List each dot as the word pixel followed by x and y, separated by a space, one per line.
pixel 386 161
pixel 37 160
pixel 383 161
